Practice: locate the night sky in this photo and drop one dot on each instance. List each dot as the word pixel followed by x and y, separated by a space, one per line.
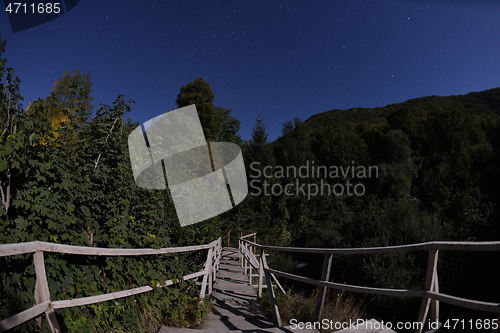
pixel 280 59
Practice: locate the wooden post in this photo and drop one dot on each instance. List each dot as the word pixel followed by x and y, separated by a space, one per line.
pixel 274 304
pixel 208 264
pixel 210 277
pixel 261 271
pixel 254 242
pixel 246 260
pixel 240 248
pixel 213 264
pixel 430 284
pixel 325 275
pixel 228 236
pixel 435 303
pixel 42 292
pixel 219 253
pixel 250 268
pixel 38 300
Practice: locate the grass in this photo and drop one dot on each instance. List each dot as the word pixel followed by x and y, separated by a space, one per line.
pixel 340 306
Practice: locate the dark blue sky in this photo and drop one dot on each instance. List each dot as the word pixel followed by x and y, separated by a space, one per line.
pixel 280 59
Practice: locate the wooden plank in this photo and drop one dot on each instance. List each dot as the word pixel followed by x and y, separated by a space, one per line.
pixel 279 285
pixel 250 275
pixel 257 286
pixel 252 259
pixel 84 250
pixel 43 290
pixel 242 258
pixel 18 248
pixel 41 277
pixel 325 275
pixel 42 293
pixel 118 294
pixel 250 235
pixel 205 276
pixel 261 272
pixel 456 246
pixel 373 250
pixel 465 303
pixel 434 302
pixel 26 315
pixel 429 284
pixel 218 252
pixel 210 272
pixel 466 246
pixel 252 262
pixel 272 297
pixel 29 247
pixel 100 298
pixel 246 264
pixel 38 300
pixel 366 290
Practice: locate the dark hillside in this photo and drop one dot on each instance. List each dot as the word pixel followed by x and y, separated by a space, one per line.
pixel 437 162
pixel 484 102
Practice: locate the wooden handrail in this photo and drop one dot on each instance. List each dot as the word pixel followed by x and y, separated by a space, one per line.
pixel 249 235
pixel 42 294
pixel 29 247
pixel 438 245
pixel 430 295
pixel 227 233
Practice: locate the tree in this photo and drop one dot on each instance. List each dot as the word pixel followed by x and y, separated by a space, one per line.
pixel 71 93
pixel 399 170
pixel 297 122
pixel 11 140
pixel 200 93
pixel 229 126
pixel 287 127
pixel 259 135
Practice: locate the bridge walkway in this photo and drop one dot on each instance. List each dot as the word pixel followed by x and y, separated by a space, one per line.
pixel 235 307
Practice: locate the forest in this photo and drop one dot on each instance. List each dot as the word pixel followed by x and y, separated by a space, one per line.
pixel 65 177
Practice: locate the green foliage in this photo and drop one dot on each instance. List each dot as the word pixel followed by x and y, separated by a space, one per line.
pixel 74 185
pixel 287 127
pixel 439 164
pixel 229 126
pixel 200 93
pixel 73 93
pixel 65 177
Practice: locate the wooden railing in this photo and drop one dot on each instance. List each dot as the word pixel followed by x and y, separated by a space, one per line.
pixel 42 295
pixel 430 295
pixel 231 236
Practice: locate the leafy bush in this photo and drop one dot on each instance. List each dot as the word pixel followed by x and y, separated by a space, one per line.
pixel 66 178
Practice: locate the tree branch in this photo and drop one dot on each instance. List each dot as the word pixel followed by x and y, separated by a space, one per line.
pixel 111 130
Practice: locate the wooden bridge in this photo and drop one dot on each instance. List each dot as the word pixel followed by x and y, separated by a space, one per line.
pixel 227 277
